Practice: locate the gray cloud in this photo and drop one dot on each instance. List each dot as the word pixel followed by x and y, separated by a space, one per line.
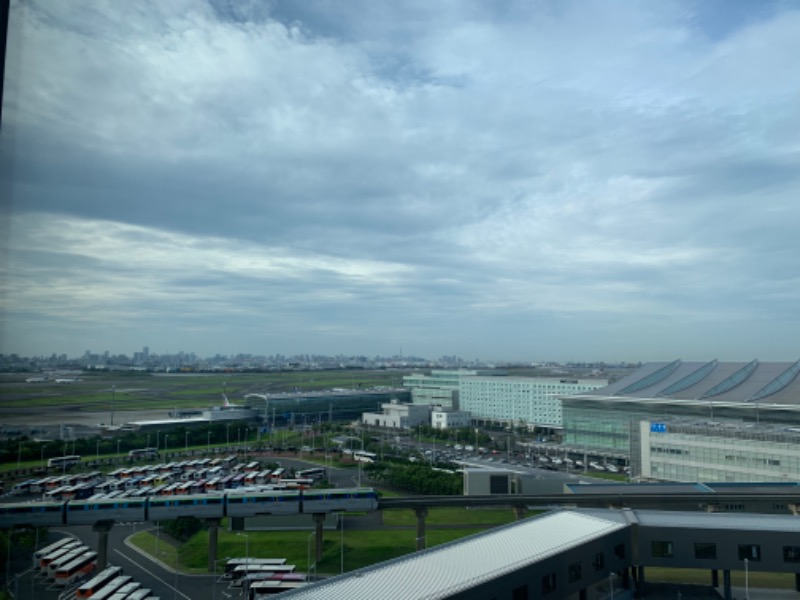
pixel 516 180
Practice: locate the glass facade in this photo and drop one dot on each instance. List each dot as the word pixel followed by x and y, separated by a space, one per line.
pixel 732 453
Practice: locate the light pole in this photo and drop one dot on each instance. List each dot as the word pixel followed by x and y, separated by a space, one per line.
pixel 341 541
pixel 208 442
pixel 186 441
pixel 118 441
pixel 611 584
pixel 166 443
pixel 158 441
pixel 148 442
pixel 246 547
pixel 113 398
pixel 97 453
pixel 227 435
pixel 746 579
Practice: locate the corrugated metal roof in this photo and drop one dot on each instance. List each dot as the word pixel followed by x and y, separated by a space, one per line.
pixel 465 563
pixel 737 521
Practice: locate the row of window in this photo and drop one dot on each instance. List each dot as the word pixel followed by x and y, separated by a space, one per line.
pixel 575 570
pixel 708 550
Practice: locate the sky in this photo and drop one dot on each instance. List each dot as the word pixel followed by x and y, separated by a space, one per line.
pixel 510 180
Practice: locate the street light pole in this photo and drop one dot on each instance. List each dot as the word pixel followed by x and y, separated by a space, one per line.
pixel 746 579
pixel 113 398
pixel 186 441
pixel 208 442
pixel 611 584
pixel 166 443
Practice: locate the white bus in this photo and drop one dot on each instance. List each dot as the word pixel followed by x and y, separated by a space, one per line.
pixel 364 456
pixel 63 462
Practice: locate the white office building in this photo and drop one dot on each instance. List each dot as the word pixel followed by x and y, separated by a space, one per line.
pixel 441 387
pixel 521 401
pixel 445 418
pixel 398 416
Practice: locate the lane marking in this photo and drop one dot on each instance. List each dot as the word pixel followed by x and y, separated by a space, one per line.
pixel 153 575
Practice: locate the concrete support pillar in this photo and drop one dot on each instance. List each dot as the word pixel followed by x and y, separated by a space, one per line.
pixel 213 534
pixel 102 528
pixel 726 584
pixel 519 512
pixel 421 513
pixel 714 578
pixel 319 521
pixel 797 582
pixel 640 581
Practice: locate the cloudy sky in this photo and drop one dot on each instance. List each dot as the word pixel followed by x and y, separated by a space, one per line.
pixel 499 180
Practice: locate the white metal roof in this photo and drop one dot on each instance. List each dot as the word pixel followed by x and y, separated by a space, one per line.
pixel 720 520
pixel 465 563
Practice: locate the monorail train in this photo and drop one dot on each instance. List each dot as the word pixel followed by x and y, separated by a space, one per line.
pixel 155 508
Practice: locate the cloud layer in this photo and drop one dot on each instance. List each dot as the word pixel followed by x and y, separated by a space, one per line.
pixel 567 180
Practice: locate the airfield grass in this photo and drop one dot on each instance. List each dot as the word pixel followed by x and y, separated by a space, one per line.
pixel 146 391
pixel 361 547
pixel 450 516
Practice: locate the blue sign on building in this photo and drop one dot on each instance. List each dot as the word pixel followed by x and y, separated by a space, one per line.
pixel 658 428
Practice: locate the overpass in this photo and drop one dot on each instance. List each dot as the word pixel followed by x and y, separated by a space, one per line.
pixel 754 501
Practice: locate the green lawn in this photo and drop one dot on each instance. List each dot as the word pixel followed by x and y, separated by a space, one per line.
pixel 450 516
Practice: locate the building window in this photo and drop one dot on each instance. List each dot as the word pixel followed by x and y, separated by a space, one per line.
pixel 661 549
pixel 749 552
pixel 705 550
pixel 791 554
pixel 599 562
pixel 549 583
pixel 619 551
pixel 574 572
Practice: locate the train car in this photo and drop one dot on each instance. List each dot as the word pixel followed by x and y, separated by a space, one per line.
pixel 199 505
pixel 85 512
pixel 78 568
pixel 263 503
pixel 111 587
pixel 335 500
pixel 96 583
pixel 35 514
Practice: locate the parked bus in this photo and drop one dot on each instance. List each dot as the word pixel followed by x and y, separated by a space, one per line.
pixel 232 563
pixel 37 556
pixel 63 462
pixel 261 589
pixel 364 456
pixel 247 569
pixel 46 560
pixel 142 453
pixel 91 587
pixel 125 591
pixel 79 567
pixel 111 587
pixel 22 488
pixel 313 473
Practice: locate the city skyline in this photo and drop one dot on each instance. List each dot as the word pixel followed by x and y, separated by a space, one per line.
pixel 569 181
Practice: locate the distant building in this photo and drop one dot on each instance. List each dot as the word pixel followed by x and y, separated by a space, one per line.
pixel 445 418
pixel 517 401
pixel 398 416
pixel 695 421
pixel 441 387
pixel 321 405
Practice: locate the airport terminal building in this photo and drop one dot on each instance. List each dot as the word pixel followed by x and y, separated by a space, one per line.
pixel 694 421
